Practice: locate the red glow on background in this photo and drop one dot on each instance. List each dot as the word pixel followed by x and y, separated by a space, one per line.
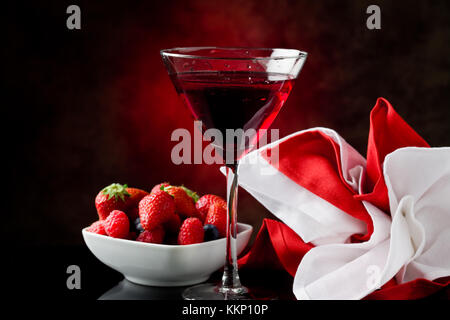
pixel 96 106
pixel 150 108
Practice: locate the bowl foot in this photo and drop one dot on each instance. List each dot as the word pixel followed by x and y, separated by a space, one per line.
pixel 158 283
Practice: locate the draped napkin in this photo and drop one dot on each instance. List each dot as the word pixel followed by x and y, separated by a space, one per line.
pixel 353 228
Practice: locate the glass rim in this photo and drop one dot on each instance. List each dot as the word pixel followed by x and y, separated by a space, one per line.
pixel 172 52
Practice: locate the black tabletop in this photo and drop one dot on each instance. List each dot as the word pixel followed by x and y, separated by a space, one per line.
pixel 41 272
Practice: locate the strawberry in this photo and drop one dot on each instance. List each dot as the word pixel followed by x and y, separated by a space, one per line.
pixel 191 231
pixel 173 224
pixel 205 202
pixel 184 200
pixel 217 216
pixel 159 186
pixel 156 209
pixel 132 202
pixel 112 197
pixel 97 227
pixel 117 224
pixel 153 236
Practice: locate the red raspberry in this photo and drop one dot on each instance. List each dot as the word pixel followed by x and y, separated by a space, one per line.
pixel 191 231
pixel 153 236
pixel 206 201
pixel 156 209
pixel 217 216
pixel 173 224
pixel 97 227
pixel 117 225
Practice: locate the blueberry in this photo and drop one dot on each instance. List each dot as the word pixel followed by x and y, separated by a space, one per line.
pixel 211 232
pixel 136 226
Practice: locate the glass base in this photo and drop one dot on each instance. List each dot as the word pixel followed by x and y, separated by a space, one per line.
pixel 212 291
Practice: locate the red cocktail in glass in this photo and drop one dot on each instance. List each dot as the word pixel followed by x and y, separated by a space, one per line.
pixel 236 91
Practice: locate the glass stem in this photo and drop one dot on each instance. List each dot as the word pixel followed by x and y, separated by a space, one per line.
pixel 230 279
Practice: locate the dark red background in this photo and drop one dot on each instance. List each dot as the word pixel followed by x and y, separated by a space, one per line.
pixel 95 106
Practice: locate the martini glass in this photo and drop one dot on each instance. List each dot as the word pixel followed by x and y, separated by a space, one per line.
pixel 237 92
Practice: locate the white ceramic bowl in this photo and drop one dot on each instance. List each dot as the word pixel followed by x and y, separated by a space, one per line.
pixel 163 265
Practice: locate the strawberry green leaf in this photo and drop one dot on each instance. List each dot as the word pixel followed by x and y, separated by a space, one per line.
pixel 191 193
pixel 117 191
pixel 166 188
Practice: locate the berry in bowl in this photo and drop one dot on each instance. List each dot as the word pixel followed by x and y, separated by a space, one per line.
pixel 168 237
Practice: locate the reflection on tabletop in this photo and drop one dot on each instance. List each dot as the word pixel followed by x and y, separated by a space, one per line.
pixel 126 290
pixel 271 285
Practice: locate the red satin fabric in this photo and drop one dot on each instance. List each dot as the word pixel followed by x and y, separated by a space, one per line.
pixel 388 132
pixel 276 247
pixel 313 161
